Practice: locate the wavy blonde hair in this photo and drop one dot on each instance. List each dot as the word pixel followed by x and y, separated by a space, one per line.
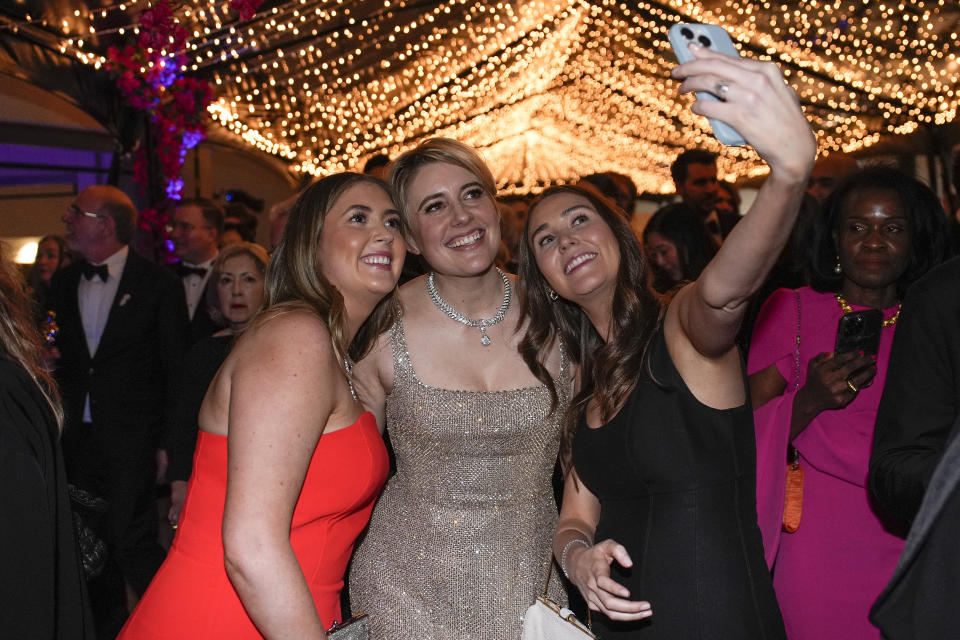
pixel 294 278
pixel 20 340
pixel 436 150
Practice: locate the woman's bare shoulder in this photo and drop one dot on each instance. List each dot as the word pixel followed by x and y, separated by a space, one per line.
pixel 287 333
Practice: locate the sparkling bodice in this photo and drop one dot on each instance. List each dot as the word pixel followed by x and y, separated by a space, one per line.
pixel 459 543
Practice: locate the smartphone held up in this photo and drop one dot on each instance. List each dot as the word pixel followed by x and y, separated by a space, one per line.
pixel 713 37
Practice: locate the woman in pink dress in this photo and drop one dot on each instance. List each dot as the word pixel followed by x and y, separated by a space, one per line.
pixel 877 233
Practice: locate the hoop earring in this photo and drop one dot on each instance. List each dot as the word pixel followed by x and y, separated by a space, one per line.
pixel 552 294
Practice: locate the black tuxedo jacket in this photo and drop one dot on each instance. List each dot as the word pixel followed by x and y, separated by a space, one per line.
pixel 921 397
pixel 915 466
pixel 139 354
pixel 920 602
pixel 202 325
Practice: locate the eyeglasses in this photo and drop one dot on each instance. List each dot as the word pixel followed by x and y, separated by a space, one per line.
pixel 184 227
pixel 75 211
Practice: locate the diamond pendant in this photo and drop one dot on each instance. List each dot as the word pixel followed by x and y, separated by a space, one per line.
pixel 484 338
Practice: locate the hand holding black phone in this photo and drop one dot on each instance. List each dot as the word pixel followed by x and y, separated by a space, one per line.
pixel 859 331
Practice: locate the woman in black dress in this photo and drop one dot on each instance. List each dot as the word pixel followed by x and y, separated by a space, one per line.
pixel 658 528
pixel 42 588
pixel 238 272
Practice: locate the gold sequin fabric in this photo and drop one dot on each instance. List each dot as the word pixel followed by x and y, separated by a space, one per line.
pixel 459 542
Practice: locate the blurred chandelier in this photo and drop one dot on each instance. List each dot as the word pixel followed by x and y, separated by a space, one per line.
pixel 547 90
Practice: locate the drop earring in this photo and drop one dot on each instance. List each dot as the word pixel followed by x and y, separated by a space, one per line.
pixel 836 269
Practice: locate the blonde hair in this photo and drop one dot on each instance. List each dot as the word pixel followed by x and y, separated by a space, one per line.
pixel 294 277
pixel 20 340
pixel 436 150
pixel 260 258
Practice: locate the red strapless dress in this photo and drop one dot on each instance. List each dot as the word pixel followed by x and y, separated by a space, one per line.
pixel 191 596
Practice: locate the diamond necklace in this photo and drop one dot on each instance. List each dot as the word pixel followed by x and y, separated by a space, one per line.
pixel 453 314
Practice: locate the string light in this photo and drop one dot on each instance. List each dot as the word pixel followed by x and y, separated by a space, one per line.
pixel 548 90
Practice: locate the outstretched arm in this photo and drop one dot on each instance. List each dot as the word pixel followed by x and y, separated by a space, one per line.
pixel 766 112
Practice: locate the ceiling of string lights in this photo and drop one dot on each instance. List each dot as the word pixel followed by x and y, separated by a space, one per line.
pixel 548 90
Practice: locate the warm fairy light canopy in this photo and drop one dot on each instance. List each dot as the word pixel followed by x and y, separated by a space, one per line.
pixel 548 90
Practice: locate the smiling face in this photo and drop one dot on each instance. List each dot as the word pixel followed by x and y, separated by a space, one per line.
pixel 240 289
pixel 873 239
pixel 454 221
pixel 574 247
pixel 361 248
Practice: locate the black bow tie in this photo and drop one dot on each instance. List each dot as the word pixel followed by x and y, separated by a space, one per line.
pixel 90 270
pixel 185 270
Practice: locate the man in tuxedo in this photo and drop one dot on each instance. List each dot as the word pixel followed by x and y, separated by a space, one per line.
pixel 195 229
pixel 121 340
pixel 694 175
pixel 915 466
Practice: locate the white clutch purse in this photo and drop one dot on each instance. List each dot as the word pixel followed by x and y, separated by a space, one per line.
pixel 546 620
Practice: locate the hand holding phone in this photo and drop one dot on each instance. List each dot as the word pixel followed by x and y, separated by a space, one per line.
pixel 712 37
pixel 859 331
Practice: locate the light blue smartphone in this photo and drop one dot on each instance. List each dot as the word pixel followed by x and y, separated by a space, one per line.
pixel 715 38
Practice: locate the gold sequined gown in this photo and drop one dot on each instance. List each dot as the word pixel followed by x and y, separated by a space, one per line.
pixel 459 542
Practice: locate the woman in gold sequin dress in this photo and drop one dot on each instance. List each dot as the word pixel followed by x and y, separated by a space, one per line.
pixel 459 542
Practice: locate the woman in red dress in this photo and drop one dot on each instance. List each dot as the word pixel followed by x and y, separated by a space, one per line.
pixel 287 465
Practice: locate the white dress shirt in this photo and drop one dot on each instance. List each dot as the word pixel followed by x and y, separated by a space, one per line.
pixel 194 286
pixel 95 298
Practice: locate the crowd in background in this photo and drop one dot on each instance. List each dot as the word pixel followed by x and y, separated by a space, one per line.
pixel 107 358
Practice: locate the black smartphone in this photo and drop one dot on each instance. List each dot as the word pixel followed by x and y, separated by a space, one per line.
pixel 859 331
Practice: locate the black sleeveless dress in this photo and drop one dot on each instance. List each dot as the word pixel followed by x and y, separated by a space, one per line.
pixel 676 483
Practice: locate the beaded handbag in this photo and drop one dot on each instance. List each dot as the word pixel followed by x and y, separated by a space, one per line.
pixel 356 628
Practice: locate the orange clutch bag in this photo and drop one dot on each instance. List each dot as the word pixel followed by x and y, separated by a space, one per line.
pixel 793 500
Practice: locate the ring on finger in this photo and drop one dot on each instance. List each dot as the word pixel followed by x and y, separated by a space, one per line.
pixel 720 90
pixel 853 388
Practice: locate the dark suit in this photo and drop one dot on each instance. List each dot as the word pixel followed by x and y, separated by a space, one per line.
pixel 128 380
pixel 921 600
pixel 202 325
pixel 915 466
pixel 921 398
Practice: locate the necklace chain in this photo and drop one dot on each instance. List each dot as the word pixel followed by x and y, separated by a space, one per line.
pixel 888 322
pixel 349 367
pixel 453 314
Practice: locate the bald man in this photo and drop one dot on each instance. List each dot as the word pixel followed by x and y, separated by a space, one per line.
pixel 122 324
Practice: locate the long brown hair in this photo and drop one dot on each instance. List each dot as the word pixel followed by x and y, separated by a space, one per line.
pixel 20 340
pixel 294 278
pixel 610 370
